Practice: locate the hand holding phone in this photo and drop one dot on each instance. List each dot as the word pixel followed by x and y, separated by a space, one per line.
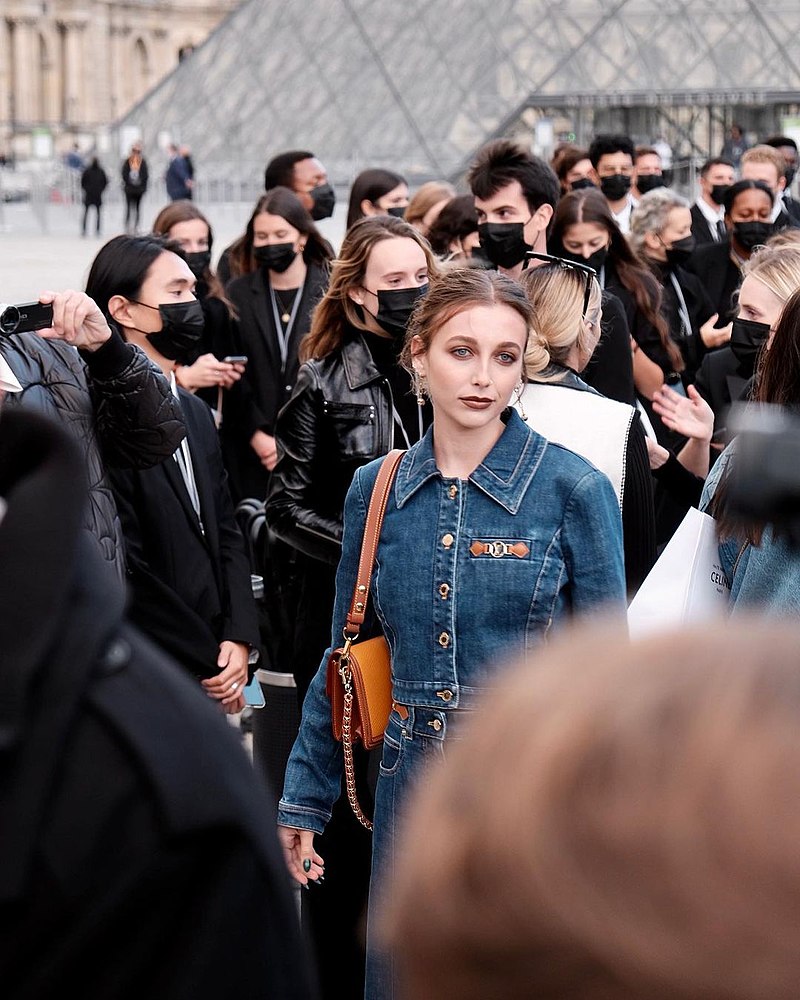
pixel 235 359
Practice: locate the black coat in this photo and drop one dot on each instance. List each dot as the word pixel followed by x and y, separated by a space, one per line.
pixel 117 404
pixel 719 276
pixel 138 841
pixel 189 590
pixel 722 381
pixel 610 368
pixel 701 228
pixel 266 385
pixel 135 184
pixel 698 306
pixel 94 182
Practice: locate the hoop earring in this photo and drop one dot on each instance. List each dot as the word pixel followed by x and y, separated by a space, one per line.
pixel 520 388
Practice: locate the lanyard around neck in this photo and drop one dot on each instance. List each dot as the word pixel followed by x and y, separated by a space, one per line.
pixel 399 424
pixel 683 311
pixel 284 335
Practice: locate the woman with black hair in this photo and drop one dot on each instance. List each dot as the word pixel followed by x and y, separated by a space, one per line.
pixel 377 192
pixel 748 207
pixel 454 234
pixel 274 301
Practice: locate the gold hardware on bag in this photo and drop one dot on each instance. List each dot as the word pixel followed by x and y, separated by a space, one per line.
pixel 359 676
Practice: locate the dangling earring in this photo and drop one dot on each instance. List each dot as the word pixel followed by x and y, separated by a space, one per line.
pixel 421 388
pixel 520 388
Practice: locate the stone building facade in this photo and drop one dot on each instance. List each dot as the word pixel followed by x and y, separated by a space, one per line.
pixel 68 67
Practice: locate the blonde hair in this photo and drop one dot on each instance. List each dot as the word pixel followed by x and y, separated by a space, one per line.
pixel 777 267
pixel 609 832
pixel 556 294
pixel 765 154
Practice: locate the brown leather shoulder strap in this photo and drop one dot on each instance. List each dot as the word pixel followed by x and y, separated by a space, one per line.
pixel 369 544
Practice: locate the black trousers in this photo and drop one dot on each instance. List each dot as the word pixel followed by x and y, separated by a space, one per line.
pixel 86 218
pixel 132 209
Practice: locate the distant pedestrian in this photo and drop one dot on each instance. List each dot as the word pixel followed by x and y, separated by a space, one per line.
pixel 73 158
pixel 186 153
pixel 735 145
pixel 94 182
pixel 135 176
pixel 178 178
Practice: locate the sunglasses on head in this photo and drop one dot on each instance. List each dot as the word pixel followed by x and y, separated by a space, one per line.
pixel 571 264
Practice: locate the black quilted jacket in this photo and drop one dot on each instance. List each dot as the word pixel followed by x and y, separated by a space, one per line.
pixel 117 404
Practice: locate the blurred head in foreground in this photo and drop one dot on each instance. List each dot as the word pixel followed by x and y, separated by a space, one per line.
pixel 620 823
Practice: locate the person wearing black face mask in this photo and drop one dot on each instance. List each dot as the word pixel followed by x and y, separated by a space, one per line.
pixel 188 569
pixel 661 232
pixel 648 172
pixel 748 206
pixel 612 160
pixel 352 402
pixel 708 211
pixel 205 371
pixel 770 277
pixel 377 192
pixel 273 303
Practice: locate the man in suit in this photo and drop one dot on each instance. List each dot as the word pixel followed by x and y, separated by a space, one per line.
pixel 708 211
pixel 188 568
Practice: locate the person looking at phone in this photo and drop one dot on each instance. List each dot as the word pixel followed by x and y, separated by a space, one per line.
pixel 188 568
pixel 76 368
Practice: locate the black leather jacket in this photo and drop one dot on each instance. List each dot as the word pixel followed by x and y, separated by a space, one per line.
pixel 338 418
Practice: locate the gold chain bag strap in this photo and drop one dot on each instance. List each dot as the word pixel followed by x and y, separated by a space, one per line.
pixel 359 678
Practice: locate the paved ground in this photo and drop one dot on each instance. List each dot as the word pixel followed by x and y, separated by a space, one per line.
pixel 41 247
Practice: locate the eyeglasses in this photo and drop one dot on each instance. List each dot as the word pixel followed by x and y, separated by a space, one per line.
pixel 571 264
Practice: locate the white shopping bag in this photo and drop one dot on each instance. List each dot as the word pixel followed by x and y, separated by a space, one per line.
pixel 687 582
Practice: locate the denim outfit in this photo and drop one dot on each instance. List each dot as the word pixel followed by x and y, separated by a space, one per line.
pixel 763 577
pixel 468 574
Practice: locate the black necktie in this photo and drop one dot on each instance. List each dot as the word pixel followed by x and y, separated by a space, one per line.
pixel 722 232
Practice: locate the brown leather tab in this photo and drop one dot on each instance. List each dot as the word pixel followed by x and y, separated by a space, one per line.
pixel 401 710
pixel 498 548
pixel 369 544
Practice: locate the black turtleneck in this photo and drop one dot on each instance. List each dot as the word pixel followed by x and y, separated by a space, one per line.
pixel 385 353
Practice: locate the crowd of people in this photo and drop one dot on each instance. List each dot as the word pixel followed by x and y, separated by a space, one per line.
pixel 556 350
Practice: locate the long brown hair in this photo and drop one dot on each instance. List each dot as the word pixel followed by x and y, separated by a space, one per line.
pixel 605 831
pixel 184 210
pixel 589 205
pixel 284 202
pixel 336 311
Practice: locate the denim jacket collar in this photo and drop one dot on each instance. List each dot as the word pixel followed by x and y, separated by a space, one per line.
pixel 359 368
pixel 504 475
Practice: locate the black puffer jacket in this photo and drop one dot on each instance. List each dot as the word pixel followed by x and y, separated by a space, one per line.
pixel 338 418
pixel 116 403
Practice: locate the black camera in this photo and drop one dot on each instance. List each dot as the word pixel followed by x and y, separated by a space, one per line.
pixel 764 485
pixel 25 317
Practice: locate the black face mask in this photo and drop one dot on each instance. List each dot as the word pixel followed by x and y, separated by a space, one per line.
pixel 681 250
pixel 324 198
pixel 198 262
pixel 649 182
pixel 181 329
pixel 791 173
pixel 752 234
pixel 581 183
pixel 275 257
pixel 398 211
pixel 615 187
pixel 503 242
pixel 595 260
pixel 718 192
pixel 395 306
pixel 747 339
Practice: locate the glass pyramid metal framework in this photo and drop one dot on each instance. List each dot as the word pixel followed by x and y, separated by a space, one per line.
pixel 418 85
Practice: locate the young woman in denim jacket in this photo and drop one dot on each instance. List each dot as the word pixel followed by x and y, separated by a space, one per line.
pixel 763 567
pixel 492 538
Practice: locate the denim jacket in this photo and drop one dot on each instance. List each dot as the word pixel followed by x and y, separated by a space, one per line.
pixel 468 573
pixel 763 577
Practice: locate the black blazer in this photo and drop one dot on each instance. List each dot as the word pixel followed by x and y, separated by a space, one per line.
pixel 701 227
pixel 719 276
pixel 610 368
pixel 264 388
pixel 722 381
pixel 188 590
